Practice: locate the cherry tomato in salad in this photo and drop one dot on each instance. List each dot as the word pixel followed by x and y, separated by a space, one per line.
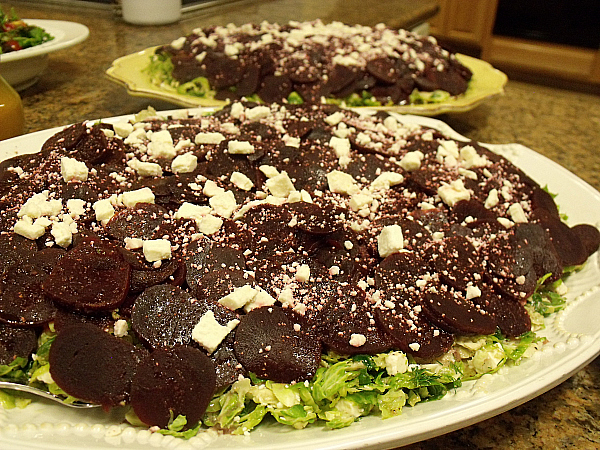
pixel 13 45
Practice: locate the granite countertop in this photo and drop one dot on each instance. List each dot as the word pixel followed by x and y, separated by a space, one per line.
pixel 563 125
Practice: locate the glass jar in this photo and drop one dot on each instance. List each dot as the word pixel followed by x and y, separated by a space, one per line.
pixel 12 119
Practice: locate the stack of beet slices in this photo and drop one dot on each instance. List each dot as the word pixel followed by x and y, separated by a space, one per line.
pixel 358 249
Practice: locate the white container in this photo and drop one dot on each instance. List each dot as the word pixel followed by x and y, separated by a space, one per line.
pixel 151 12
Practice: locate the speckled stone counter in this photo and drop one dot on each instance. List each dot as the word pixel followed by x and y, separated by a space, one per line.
pixel 560 124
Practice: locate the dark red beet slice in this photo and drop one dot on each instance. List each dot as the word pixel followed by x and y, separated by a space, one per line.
pixel 472 208
pixel 167 272
pixel 542 199
pixel 90 277
pixel 384 69
pixel 144 221
pixel 16 343
pixel 93 147
pixel 274 88
pixel 589 237
pixel 227 367
pixel 267 344
pixel 451 311
pixel 173 382
pixel 457 261
pixel 511 317
pixel 15 249
pixel 412 333
pixel 217 283
pixel 164 315
pixel 22 300
pixel 569 247
pixel 349 320
pixel 313 219
pixel 92 365
pixel 340 77
pixel 66 139
pixel 401 314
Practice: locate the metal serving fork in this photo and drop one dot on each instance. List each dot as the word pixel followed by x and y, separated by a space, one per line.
pixel 41 393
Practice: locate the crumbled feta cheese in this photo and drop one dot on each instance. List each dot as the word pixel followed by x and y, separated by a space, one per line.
pixel 133 243
pixel 76 207
pixel 209 333
pixel 120 328
pixel 185 163
pixel 303 273
pixel 342 183
pixel 223 204
pixel 209 138
pixel 73 170
pixel 357 340
pixel 492 199
pixel 239 297
pixel 454 192
pixel 390 240
pixel 241 181
pixel 412 160
pixel 280 185
pixel 145 169
pixel 156 250
pixel 104 210
pixel 209 224
pixel 143 195
pixel 240 147
pixel 516 213
pixel 191 211
pixel 28 230
pixel 211 189
pixel 268 171
pixel 261 299
pixel 473 292
pixel 386 180
pixel 161 145
pixel 257 113
pixel 62 234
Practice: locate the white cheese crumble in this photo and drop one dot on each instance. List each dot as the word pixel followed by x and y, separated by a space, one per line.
pixel 73 170
pixel 156 250
pixel 390 240
pixel 185 163
pixel 209 333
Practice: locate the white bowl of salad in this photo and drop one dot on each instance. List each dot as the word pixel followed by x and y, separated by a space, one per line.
pixel 26 43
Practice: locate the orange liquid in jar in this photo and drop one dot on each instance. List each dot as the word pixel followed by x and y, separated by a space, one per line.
pixel 12 120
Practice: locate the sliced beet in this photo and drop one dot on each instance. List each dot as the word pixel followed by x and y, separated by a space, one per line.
pixel 170 383
pixel 143 221
pixel 268 344
pixel 15 249
pixel 93 147
pixel 457 261
pixel 568 245
pixel 540 198
pixel 349 327
pixel 227 367
pixel 91 277
pixel 400 313
pixel 167 272
pixel 274 88
pixel 164 315
pixel 451 311
pixel 66 139
pixel 22 300
pixel 589 237
pixel 313 219
pixel 16 343
pixel 92 365
pixel 412 333
pixel 384 69
pixel 511 317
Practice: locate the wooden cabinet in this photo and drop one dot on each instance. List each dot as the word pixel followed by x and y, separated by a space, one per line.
pixel 470 23
pixel 465 21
